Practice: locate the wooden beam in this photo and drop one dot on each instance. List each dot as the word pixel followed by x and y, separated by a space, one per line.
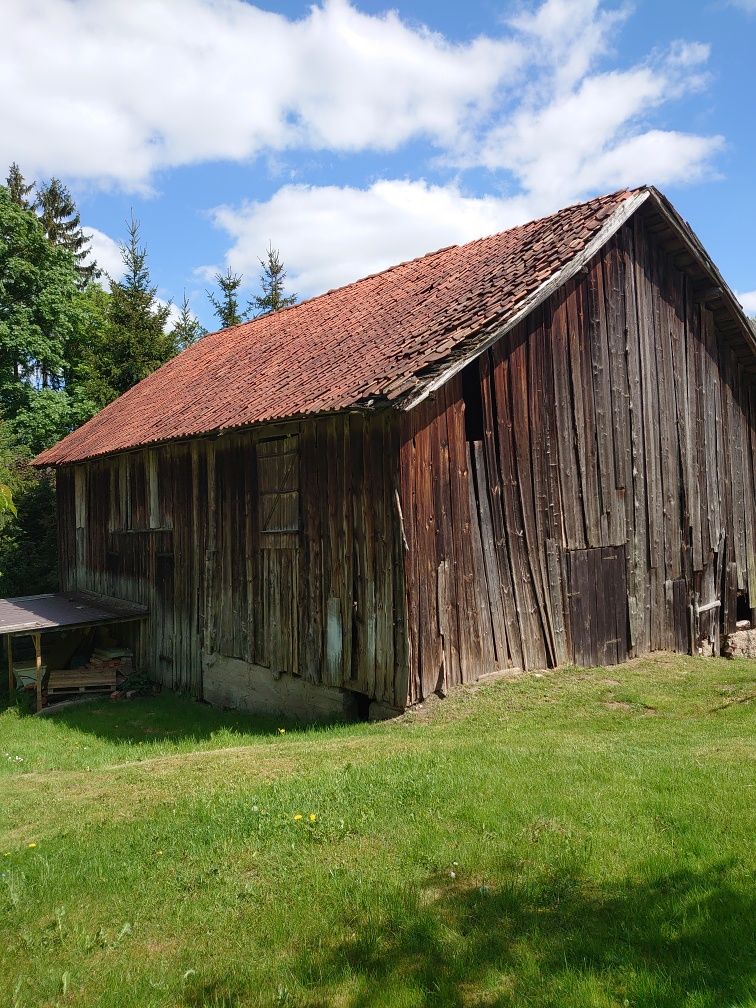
pixel 11 678
pixel 37 638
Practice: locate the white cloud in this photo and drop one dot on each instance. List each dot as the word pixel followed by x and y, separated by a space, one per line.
pixel 562 129
pixel 748 300
pixel 112 91
pixel 579 131
pixel 749 6
pixel 106 253
pixel 329 235
pixel 569 133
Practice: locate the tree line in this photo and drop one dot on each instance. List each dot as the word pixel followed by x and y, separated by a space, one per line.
pixel 72 339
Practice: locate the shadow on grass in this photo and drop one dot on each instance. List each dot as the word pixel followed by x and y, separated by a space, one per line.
pixel 168 717
pixel 665 941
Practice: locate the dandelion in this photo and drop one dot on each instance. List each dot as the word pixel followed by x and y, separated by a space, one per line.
pixel 31 844
pixel 159 852
pixel 281 731
pixel 7 854
pixel 298 816
pixel 312 817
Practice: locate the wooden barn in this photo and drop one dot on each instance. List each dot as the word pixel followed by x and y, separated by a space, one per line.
pixel 535 449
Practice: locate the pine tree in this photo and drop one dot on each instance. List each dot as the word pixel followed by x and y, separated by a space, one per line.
pixel 138 341
pixel 188 329
pixel 226 307
pixel 18 190
pixel 62 225
pixel 272 283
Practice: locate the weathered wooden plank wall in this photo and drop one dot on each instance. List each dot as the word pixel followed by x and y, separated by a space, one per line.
pixel 280 546
pixel 617 427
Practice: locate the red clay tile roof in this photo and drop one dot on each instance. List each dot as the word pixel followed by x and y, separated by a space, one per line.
pixel 372 339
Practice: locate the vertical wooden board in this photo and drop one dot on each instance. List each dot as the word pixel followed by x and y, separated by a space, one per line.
pixel 496 509
pixel 379 507
pixel 345 556
pixel 407 461
pixel 710 385
pixel 307 619
pixel 596 337
pixel 600 628
pixel 650 407
pixel 492 602
pixel 621 514
pixel 737 468
pixel 638 549
pixel 384 646
pixel 399 556
pixel 583 419
pixel 470 641
pixel 693 475
pixel 617 325
pixel 580 597
pixel 431 651
pixel 446 587
pixel 534 650
pixel 483 559
pixel 555 536
pixel 749 435
pixel 682 417
pixel 572 506
pixel 537 424
pixel 621 609
pixel 670 323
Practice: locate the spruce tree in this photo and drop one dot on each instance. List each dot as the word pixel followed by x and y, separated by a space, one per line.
pixel 138 341
pixel 62 225
pixel 226 307
pixel 18 189
pixel 272 282
pixel 188 329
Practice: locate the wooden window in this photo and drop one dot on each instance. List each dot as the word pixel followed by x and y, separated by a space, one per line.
pixel 278 492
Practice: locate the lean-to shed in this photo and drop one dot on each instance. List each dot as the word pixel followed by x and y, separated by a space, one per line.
pixel 537 448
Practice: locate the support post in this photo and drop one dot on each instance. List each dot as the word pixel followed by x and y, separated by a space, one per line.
pixel 11 678
pixel 37 638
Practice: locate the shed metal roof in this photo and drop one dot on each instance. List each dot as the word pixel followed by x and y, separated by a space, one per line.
pixel 61 610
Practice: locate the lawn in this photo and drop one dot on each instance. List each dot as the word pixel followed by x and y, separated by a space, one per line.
pixel 579 839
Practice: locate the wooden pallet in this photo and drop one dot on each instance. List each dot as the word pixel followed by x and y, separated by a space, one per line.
pixel 85 681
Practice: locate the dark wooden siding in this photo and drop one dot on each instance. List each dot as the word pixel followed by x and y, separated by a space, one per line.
pixel 617 426
pixel 178 527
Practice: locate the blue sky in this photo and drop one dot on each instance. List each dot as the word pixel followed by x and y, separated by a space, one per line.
pixel 356 136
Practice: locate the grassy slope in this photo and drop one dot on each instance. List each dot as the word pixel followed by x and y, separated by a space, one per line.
pixel 576 839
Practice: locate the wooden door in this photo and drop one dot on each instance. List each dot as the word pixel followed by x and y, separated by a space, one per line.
pixel 598 605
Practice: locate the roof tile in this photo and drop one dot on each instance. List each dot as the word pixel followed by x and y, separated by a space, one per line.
pixel 369 340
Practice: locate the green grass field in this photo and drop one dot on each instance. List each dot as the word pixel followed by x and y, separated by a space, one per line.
pixel 576 840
